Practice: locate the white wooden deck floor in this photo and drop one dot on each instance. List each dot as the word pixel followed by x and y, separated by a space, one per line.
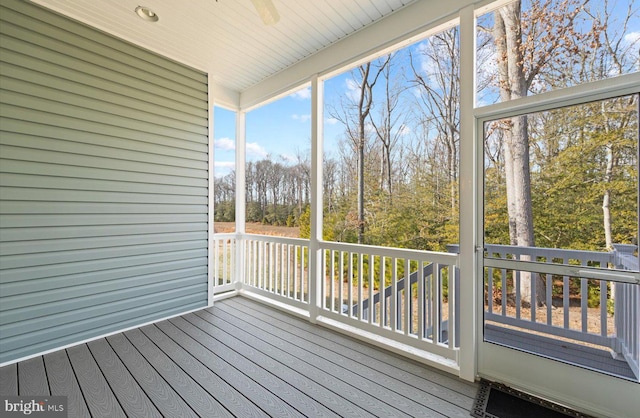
pixel 239 358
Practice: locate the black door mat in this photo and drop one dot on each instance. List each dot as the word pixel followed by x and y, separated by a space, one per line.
pixel 495 400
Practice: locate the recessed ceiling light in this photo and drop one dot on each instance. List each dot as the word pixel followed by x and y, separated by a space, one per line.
pixel 146 14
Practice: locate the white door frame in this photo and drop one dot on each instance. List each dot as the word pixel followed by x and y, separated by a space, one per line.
pixel 573 386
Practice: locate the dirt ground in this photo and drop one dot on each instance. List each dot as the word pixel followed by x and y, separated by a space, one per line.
pixel 257 228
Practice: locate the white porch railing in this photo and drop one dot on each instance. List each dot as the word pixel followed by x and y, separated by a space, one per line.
pixel 224 262
pixel 410 296
pixel 615 325
pixel 627 305
pixel 404 297
pixel 277 267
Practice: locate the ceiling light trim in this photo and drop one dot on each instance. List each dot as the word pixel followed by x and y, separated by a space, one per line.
pixel 146 14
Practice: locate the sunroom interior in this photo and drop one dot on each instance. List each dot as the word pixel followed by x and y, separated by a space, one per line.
pixel 107 165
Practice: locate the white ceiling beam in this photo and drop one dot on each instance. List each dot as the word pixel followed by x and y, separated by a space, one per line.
pixel 400 26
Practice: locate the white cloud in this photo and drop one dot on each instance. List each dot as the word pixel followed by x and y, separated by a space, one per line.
pixel 404 130
pixel 331 121
pixel 222 168
pixel 301 118
pixel 225 144
pixel 256 150
pixel 353 89
pixel 304 94
pixel 632 37
pixel 289 158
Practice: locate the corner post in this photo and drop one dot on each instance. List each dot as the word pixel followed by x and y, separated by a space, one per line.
pixel 470 189
pixel 241 141
pixel 315 253
pixel 211 253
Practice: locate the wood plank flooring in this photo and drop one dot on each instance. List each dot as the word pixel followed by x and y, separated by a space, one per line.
pixel 580 355
pixel 239 358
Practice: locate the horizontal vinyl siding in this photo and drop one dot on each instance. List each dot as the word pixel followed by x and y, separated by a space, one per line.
pixel 103 183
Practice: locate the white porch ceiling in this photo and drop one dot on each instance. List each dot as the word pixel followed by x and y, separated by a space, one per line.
pixel 227 38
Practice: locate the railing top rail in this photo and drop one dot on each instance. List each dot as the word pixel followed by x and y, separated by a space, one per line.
pixel 431 256
pixel 601 256
pixel 566 253
pixel 275 239
pixel 627 262
pixel 225 235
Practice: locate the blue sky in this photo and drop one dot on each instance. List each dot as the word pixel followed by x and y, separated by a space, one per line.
pixel 280 130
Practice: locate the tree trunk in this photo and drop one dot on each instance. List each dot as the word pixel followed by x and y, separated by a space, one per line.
pixel 513 85
pixel 364 104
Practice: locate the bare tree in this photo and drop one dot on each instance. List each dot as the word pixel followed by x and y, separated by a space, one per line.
pixel 439 98
pixel 389 125
pixel 354 114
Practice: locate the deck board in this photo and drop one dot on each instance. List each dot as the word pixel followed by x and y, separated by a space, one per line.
pixel 131 397
pixel 9 380
pixel 228 396
pixel 588 357
pixel 32 377
pixel 161 394
pixel 287 392
pixel 63 382
pixel 98 395
pixel 258 395
pixel 376 364
pixel 196 397
pixel 329 402
pixel 239 358
pixel 351 374
pixel 439 381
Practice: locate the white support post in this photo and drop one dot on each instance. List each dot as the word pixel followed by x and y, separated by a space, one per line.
pixel 211 179
pixel 470 191
pixel 241 142
pixel 315 256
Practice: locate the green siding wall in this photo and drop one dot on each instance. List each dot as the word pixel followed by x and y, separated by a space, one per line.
pixel 103 183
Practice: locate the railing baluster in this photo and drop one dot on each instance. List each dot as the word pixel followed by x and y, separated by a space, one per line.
pixel 323 277
pixel 258 266
pixel 224 260
pixel 429 307
pixel 280 269
pixel 360 284
pixel 420 289
pixel 534 295
pixel 341 283
pixel 518 298
pixel 350 288
pixel 371 311
pixel 453 300
pixel 490 289
pixel 291 266
pixel 394 295
pixel 382 292
pixel 565 300
pixel 296 255
pixel 408 314
pixel 584 300
pixel 271 266
pixel 504 292
pixel 233 260
pixel 549 288
pixel 304 277
pixel 603 308
pixel 435 292
pixel 332 281
pixel 265 265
